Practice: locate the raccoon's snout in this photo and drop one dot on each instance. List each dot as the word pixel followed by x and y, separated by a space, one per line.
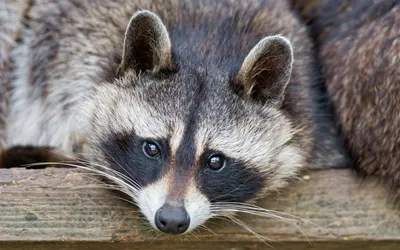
pixel 172 219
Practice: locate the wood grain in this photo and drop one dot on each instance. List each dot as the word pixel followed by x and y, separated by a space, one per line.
pixel 52 209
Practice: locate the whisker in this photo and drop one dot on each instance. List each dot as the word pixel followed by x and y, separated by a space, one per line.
pixel 258 211
pixel 129 178
pixel 123 199
pixel 273 216
pixel 109 155
pixel 122 182
pixel 86 167
pixel 257 208
pixel 126 171
pixel 249 211
pixel 244 226
pixel 89 176
pixel 195 236
pixel 235 189
pixel 207 229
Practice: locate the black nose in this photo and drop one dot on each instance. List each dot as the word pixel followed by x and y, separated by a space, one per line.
pixel 172 219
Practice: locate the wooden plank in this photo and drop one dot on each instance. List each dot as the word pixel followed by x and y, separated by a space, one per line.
pixel 41 209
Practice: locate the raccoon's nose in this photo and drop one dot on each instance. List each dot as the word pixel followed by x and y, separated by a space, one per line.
pixel 172 219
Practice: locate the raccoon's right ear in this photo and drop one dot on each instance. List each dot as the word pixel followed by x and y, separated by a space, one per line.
pixel 266 70
pixel 147 46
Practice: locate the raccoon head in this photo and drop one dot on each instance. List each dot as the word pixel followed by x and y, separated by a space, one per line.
pixel 182 138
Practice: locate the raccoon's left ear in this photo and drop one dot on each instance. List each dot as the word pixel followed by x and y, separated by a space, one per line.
pixel 266 70
pixel 147 46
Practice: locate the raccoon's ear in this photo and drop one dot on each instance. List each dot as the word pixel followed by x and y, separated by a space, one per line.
pixel 147 46
pixel 266 70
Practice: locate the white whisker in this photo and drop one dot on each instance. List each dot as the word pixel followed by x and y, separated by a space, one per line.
pixel 207 229
pixel 129 178
pixel 127 188
pixel 243 225
pixel 257 208
pixel 236 207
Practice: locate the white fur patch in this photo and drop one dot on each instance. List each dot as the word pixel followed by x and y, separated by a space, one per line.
pixel 153 197
pixel 250 139
pixel 177 136
pixel 197 206
pixel 122 112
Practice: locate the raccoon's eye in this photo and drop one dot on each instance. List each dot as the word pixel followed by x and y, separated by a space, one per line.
pixel 216 161
pixel 151 150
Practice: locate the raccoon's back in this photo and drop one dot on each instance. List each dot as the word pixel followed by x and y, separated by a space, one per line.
pixel 359 43
pixel 56 65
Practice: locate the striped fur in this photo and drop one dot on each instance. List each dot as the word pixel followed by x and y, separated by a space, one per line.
pixel 197 79
pixel 359 47
pixel 11 14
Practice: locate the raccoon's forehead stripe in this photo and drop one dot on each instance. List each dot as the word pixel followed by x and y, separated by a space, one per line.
pixel 185 155
pixel 176 137
pixel 182 168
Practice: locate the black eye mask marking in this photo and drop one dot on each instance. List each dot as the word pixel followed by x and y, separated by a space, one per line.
pixel 234 182
pixel 124 153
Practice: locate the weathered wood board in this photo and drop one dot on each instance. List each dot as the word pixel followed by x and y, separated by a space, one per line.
pixel 50 209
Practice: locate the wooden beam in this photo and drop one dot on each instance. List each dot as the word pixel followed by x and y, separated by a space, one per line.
pixel 51 209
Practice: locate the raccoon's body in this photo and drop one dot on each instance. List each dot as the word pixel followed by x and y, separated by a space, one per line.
pixel 11 13
pixel 359 48
pixel 202 102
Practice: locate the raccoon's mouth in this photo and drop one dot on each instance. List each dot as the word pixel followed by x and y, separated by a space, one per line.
pixel 171 214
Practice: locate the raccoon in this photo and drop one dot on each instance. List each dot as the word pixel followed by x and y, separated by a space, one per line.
pixel 11 13
pixel 359 48
pixel 187 105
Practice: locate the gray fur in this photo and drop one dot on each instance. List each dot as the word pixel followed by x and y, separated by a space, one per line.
pixel 359 48
pixel 11 13
pixel 146 44
pixel 266 71
pixel 187 88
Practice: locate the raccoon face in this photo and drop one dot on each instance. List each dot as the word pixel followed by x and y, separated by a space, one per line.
pixel 182 140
